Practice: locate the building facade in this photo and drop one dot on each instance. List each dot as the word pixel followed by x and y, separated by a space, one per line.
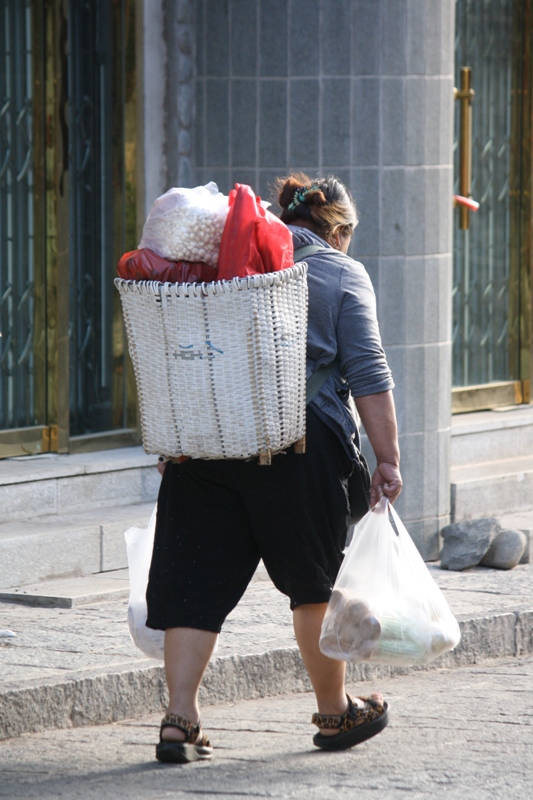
pixel 106 105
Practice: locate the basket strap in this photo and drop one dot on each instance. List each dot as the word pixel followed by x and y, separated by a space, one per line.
pixel 316 381
pixel 307 250
pixel 310 249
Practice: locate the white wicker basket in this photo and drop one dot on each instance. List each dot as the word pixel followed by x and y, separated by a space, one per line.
pixel 220 367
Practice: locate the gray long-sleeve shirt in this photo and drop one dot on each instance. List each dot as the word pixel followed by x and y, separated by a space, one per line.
pixel 342 324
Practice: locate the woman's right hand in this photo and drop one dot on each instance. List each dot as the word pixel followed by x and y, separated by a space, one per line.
pixel 387 481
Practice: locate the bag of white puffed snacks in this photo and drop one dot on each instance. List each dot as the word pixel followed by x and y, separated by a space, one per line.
pixel 187 224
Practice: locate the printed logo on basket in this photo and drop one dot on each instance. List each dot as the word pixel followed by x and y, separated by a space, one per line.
pixel 288 339
pixel 190 352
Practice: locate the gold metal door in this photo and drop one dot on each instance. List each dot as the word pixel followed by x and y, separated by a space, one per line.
pixel 67 212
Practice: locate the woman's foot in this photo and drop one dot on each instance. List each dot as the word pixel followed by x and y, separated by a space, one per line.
pixel 358 702
pixel 363 718
pixel 181 742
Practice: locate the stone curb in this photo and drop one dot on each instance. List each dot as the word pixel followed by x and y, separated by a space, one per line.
pixel 123 694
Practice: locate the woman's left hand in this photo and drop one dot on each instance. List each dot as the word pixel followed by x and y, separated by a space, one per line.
pixel 379 419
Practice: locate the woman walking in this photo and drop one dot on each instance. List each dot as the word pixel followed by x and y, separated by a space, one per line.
pixel 217 519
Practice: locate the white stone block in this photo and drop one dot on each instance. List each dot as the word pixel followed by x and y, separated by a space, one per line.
pixel 30 558
pixel 99 490
pixel 497 489
pixel 20 500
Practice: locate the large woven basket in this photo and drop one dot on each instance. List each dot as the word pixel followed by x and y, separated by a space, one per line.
pixel 220 367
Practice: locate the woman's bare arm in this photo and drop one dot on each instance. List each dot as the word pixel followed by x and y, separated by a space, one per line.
pixel 379 420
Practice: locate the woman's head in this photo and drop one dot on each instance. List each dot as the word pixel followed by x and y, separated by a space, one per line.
pixel 324 205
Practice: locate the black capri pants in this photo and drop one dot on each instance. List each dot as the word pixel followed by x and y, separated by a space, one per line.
pixel 217 519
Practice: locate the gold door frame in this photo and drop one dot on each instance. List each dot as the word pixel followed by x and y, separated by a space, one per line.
pixel 522 298
pixel 515 392
pixel 57 218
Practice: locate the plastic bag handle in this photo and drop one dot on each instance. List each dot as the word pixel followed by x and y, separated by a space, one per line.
pixel 397 521
pixel 385 506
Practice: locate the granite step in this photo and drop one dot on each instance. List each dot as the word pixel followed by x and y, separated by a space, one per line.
pixel 69 545
pixel 486 436
pixel 70 592
pixel 101 587
pixel 53 484
pixel 498 488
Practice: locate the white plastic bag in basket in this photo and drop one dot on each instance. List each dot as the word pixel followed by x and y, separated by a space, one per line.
pixel 139 545
pixel 385 607
pixel 187 224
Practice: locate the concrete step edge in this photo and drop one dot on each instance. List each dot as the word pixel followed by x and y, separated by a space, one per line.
pixel 99 587
pixel 479 422
pixel 492 497
pixel 81 520
pixel 51 466
pixel 23 498
pixel 101 697
pixel 70 592
pixel 492 471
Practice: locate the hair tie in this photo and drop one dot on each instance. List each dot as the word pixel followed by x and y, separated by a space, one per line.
pixel 300 195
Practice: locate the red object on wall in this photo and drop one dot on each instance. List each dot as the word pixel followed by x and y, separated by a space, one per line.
pixel 253 240
pixel 467 202
pixel 145 265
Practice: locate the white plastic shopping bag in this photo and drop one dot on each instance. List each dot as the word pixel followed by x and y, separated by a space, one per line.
pixel 139 545
pixel 385 607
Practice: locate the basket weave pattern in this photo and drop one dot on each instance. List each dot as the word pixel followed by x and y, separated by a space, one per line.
pixel 220 367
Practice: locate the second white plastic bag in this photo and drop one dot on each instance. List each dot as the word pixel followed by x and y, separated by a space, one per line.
pixel 140 544
pixel 385 607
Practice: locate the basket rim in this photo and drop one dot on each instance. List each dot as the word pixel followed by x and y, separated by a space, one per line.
pixel 204 288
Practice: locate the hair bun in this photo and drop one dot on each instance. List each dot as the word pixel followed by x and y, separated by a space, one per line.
pixel 322 204
pixel 314 196
pixel 290 187
pixel 287 187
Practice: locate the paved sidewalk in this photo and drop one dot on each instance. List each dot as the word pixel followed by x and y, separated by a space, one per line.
pixel 454 734
pixel 78 666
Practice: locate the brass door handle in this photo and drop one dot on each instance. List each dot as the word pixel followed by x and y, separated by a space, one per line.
pixel 465 96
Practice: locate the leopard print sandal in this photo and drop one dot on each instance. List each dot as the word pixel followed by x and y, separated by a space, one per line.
pixel 356 724
pixel 195 746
